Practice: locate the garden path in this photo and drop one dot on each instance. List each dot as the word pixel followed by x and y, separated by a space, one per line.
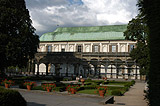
pixel 134 97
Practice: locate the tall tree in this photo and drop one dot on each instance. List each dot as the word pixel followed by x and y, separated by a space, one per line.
pixel 137 30
pixel 151 10
pixel 17 35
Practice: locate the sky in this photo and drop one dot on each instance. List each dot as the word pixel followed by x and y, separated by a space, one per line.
pixel 47 15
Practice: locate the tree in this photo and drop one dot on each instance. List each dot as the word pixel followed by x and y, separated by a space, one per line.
pixel 18 39
pixel 137 30
pixel 151 10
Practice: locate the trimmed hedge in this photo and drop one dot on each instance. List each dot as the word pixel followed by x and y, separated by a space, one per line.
pixel 116 92
pixel 88 87
pixel 114 87
pixel 11 98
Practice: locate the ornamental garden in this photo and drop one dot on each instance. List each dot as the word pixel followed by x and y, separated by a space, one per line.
pixel 100 87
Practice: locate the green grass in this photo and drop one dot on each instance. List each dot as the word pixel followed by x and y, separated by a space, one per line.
pixel 88 91
pixel 117 83
pixel 37 88
pixel 94 92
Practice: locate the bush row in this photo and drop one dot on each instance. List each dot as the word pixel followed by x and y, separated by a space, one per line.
pixel 11 98
pixel 116 92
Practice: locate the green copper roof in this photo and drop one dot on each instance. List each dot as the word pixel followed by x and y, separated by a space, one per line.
pixel 110 32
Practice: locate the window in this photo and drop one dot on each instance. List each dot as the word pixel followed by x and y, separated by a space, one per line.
pixel 122 48
pixel 49 48
pixel 63 48
pixel 131 47
pixel 87 48
pixel 104 48
pixel 79 48
pixel 95 48
pixel 113 48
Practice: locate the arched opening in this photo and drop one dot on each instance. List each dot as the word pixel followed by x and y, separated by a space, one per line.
pixel 123 72
pixel 42 69
pixel 52 69
pixel 111 71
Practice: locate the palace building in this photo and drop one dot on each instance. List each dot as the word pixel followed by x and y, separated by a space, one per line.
pixel 99 51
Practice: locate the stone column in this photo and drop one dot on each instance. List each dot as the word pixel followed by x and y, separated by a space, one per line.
pixel 57 69
pixel 117 72
pixel 99 71
pixel 111 71
pixel 46 68
pixel 37 68
pixel 75 68
pixel 95 70
pixel 66 69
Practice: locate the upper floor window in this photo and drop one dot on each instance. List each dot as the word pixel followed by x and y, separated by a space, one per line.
pixel 79 48
pixel 96 48
pixel 123 48
pixel 131 47
pixel 49 48
pixel 113 48
pixel 104 48
pixel 87 48
pixel 63 48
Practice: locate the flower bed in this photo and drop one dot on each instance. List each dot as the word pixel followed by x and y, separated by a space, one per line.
pixel 102 90
pixel 49 87
pixel 72 88
pixel 29 85
pixel 7 83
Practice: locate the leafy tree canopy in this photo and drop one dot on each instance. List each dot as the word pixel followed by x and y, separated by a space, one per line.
pixel 137 30
pixel 17 35
pixel 151 11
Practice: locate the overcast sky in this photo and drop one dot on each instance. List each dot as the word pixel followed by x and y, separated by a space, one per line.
pixel 47 15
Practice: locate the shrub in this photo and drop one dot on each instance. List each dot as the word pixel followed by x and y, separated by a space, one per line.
pixel 60 84
pixel 30 83
pixel 75 87
pixel 11 98
pixel 133 82
pixel 88 87
pixel 50 86
pixel 37 88
pixel 88 83
pixel 60 89
pixel 114 87
pixel 106 82
pixel 88 80
pixel 97 82
pixel 127 85
pixel 10 82
pixel 22 86
pixel 102 88
pixel 126 88
pixel 116 92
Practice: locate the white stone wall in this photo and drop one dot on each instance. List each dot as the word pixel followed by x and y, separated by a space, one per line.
pixel 104 46
pixel 87 46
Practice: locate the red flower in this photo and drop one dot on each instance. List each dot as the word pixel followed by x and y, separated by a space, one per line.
pixel 10 82
pixel 51 86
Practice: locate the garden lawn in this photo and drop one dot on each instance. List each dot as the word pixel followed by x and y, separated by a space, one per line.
pixel 95 92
